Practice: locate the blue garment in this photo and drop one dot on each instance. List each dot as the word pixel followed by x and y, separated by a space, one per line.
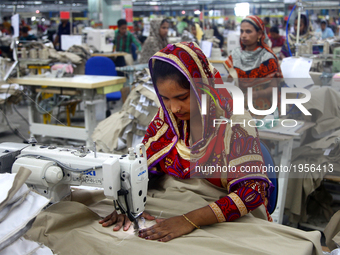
pixel 328 32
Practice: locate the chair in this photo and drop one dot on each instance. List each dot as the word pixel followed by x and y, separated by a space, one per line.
pixel 103 66
pixel 268 161
pixel 133 51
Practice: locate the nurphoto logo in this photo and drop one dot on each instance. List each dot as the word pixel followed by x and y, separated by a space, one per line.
pixel 238 105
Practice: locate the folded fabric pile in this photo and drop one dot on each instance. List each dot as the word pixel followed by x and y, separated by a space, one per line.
pixel 19 207
pixel 10 93
pixel 127 128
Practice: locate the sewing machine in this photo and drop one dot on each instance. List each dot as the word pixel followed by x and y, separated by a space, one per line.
pixel 101 39
pixel 54 169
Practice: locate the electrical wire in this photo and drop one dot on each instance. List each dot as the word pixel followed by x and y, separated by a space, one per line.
pixel 15 131
pixel 15 109
pixel 43 109
pixel 290 14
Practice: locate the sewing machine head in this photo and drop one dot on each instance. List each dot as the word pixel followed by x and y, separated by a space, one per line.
pixel 54 169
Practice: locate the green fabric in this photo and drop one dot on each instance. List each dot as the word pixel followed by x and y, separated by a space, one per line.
pixel 130 38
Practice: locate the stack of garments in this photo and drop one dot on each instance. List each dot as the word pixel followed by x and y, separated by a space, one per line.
pixel 127 127
pixel 19 207
pixel 10 93
pixel 307 200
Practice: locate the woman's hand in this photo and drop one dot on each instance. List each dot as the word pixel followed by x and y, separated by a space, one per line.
pixel 167 229
pixel 121 220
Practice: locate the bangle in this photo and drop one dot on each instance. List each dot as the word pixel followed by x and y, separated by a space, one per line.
pixel 185 217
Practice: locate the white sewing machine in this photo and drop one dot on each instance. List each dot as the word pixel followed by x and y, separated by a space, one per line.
pixel 54 169
pixel 101 39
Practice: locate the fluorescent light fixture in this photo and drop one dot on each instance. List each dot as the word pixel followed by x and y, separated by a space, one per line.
pixel 197 12
pixel 241 9
pixel 37 2
pixel 153 3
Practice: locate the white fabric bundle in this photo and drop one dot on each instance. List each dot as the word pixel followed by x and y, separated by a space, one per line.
pixel 18 208
pixel 24 246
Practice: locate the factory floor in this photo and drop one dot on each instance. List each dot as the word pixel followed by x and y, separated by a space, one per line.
pixel 20 124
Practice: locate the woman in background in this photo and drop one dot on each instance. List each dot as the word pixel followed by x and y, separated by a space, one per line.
pixel 157 40
pixel 305 35
pixel 254 64
pixel 190 34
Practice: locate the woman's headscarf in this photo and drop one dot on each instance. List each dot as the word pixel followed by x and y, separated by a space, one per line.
pixel 167 138
pixel 199 32
pixel 306 35
pixel 154 42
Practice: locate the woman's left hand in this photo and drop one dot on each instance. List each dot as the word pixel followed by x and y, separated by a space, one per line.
pixel 167 229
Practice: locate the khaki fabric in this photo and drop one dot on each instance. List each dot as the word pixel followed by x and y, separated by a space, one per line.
pixel 302 185
pixel 332 232
pixel 72 228
pixel 325 108
pixel 19 180
pixel 109 131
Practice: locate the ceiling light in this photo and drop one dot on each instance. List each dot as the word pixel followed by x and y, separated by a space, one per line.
pixel 37 11
pixel 153 3
pixel 61 2
pixel 33 18
pixel 37 2
pixel 241 9
pixel 197 12
pixel 183 12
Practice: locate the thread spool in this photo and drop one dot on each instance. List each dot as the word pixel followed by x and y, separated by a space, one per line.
pixel 33 53
pixel 23 53
pixel 326 48
pixel 43 54
pixel 309 47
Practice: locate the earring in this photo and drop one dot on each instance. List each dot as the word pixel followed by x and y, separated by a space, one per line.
pixel 258 40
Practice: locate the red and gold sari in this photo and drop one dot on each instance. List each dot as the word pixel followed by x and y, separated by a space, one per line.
pixel 169 150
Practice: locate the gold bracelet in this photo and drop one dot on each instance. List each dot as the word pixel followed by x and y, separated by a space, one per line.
pixel 185 217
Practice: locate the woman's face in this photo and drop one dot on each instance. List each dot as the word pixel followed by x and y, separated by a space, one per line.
pixel 249 35
pixel 176 98
pixel 302 26
pixel 163 30
pixel 193 30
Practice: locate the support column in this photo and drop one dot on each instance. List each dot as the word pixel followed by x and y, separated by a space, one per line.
pixel 109 11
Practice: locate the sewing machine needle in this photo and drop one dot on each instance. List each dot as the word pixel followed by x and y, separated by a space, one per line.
pixel 136 225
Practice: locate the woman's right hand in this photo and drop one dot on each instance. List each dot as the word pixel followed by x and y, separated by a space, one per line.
pixel 121 220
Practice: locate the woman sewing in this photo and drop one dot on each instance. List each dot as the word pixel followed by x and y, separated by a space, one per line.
pixel 179 139
pixel 254 64
pixel 157 40
pixel 305 35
